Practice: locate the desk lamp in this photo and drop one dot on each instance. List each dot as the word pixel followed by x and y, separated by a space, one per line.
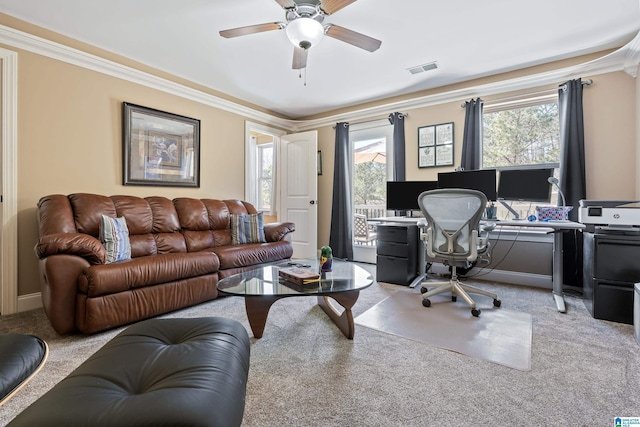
pixel 554 181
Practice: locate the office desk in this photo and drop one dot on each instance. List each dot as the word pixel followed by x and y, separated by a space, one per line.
pixel 555 227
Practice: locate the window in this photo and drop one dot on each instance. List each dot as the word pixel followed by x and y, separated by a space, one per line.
pixel 265 177
pixel 521 134
pixel 261 164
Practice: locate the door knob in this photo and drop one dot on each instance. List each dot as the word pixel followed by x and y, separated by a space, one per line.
pixel 312 202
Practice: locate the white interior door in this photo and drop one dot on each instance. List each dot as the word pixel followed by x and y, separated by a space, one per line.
pixel 299 190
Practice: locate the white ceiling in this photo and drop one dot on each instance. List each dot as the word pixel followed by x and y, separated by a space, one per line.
pixel 467 38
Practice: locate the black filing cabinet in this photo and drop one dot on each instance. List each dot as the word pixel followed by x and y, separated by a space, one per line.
pixel 611 267
pixel 397 253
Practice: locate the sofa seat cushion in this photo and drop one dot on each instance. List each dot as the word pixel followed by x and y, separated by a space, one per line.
pixel 251 254
pixel 106 279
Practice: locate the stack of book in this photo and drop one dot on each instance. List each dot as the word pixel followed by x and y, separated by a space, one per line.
pixel 299 276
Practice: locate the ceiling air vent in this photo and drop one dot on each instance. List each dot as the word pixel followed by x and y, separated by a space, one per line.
pixel 422 68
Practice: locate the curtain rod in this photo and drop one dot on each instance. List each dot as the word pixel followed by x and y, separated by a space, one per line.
pixel 371 121
pixel 587 82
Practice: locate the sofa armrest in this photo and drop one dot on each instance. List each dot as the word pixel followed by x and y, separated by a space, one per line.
pixel 277 231
pixel 82 245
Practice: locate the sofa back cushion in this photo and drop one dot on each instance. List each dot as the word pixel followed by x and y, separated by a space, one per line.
pixel 197 223
pixel 205 223
pixel 88 210
pixel 55 215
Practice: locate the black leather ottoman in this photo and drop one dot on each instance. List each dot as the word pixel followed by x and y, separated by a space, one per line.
pixel 159 372
pixel 21 357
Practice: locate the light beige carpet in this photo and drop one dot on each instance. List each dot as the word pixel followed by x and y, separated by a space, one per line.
pixel 498 335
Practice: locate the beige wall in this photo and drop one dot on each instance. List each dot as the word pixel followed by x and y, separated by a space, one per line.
pixel 610 137
pixel 70 140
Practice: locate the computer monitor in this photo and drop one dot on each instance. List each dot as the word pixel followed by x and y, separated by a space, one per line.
pixel 530 185
pixel 403 195
pixel 483 180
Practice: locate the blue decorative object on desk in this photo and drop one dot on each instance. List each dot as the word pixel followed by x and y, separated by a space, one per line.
pixel 492 211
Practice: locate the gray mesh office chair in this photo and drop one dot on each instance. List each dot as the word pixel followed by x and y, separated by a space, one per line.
pixel 452 235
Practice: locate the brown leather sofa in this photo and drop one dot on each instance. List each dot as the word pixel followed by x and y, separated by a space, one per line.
pixel 180 248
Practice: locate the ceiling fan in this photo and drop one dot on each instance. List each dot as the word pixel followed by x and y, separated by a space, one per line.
pixel 304 27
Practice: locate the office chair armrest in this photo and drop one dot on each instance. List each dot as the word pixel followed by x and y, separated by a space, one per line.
pixel 487 227
pixel 473 246
pixel 483 235
pixel 427 236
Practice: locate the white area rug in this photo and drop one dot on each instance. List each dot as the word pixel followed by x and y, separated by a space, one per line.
pixel 498 335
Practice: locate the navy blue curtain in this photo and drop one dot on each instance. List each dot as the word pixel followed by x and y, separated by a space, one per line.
pixel 572 173
pixel 472 137
pixel 341 234
pixel 399 161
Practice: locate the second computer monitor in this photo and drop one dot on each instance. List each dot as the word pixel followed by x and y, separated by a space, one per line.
pixel 403 195
pixel 530 185
pixel 483 180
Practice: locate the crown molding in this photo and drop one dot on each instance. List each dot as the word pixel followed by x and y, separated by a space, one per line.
pixel 632 58
pixel 625 59
pixel 620 60
pixel 50 49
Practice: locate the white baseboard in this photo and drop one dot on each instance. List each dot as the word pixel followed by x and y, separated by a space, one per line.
pixel 29 302
pixel 511 277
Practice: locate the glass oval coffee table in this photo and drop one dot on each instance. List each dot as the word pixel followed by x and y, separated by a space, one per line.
pixel 262 287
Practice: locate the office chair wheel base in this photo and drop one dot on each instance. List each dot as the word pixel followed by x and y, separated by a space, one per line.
pixel 424 290
pixel 426 303
pixel 475 312
pixel 454 298
pixel 497 303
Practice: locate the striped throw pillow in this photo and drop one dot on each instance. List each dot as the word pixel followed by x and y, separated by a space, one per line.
pixel 247 229
pixel 114 235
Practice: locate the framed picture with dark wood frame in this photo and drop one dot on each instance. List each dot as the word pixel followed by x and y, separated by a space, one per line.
pixel 160 148
pixel 435 145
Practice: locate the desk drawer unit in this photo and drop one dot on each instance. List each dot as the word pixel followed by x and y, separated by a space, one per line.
pixel 610 270
pixel 397 253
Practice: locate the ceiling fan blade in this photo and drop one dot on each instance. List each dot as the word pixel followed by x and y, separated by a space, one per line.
pixel 299 58
pixel 251 29
pixel 332 6
pixel 352 37
pixel 286 4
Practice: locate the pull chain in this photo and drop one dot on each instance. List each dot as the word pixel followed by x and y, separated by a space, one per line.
pixel 305 75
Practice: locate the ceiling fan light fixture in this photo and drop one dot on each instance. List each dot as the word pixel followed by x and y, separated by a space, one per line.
pixel 304 32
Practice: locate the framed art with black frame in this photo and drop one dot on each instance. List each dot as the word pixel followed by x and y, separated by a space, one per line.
pixel 160 148
pixel 435 145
